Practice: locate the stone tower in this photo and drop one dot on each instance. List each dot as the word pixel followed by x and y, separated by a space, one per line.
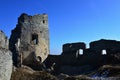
pixel 29 41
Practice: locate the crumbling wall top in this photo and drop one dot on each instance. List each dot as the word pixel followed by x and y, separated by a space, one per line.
pixel 104 44
pixel 38 20
pixel 73 46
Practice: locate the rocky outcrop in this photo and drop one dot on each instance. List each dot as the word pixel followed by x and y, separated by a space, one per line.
pixel 5 58
pixel 29 41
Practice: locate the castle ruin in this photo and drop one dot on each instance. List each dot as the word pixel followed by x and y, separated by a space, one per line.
pixel 29 41
pixel 71 61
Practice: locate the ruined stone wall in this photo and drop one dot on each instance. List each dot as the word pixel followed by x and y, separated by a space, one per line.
pixel 71 52
pixel 73 46
pixel 5 58
pixel 92 55
pixel 111 46
pixel 29 41
pixel 53 61
pixel 70 62
pixel 3 40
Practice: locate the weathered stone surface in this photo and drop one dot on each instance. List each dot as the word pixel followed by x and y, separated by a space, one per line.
pixel 3 40
pixel 5 64
pixel 29 41
pixel 5 58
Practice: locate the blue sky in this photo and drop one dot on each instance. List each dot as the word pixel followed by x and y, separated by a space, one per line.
pixel 69 20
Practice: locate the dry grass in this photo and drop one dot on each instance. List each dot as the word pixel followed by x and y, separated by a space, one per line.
pixel 110 67
pixel 29 74
pixel 114 71
pixel 26 73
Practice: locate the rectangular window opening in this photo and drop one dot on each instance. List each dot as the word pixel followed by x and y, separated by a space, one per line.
pixel 35 39
pixel 43 21
pixel 104 52
pixel 81 51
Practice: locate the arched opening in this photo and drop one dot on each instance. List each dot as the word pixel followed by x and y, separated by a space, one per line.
pixel 81 51
pixel 104 52
pixel 39 59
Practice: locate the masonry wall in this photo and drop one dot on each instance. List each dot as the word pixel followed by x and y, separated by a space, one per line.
pixel 3 40
pixel 111 46
pixel 70 59
pixel 29 41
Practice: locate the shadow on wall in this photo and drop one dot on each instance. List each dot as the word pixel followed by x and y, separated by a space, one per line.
pixel 76 54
